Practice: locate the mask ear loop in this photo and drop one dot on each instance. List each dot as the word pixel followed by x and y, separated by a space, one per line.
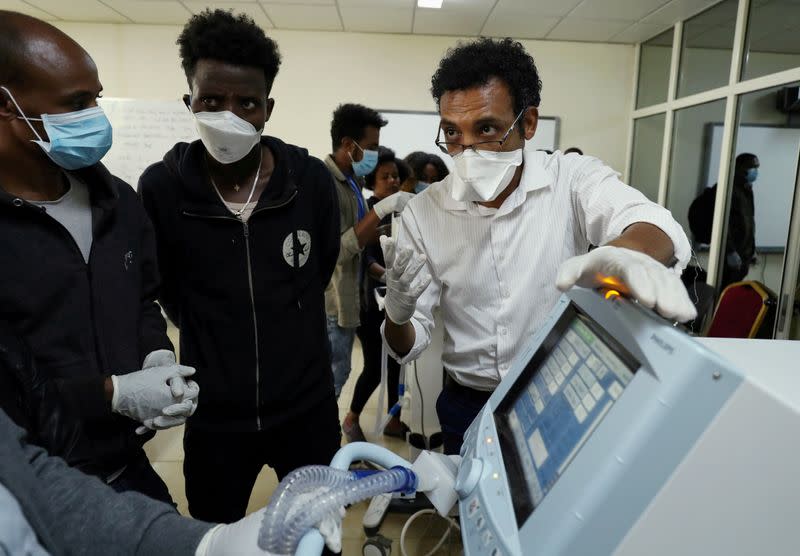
pixel 24 117
pixel 353 160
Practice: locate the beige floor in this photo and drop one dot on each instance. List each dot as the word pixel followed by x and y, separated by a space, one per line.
pixel 166 453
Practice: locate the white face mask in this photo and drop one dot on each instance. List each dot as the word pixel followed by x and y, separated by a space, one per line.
pixel 482 177
pixel 226 136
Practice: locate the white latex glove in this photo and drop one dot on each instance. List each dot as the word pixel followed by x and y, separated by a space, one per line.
pixel 395 202
pixel 241 538
pixel 331 530
pixel 644 278
pixel 176 414
pixel 144 394
pixel 406 279
pixel 184 391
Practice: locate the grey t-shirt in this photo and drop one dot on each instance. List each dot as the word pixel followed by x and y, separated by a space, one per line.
pixel 74 211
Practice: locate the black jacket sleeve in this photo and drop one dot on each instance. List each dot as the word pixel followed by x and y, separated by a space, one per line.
pixel 328 216
pixel 153 327
pixel 701 215
pixel 158 208
pixel 82 396
pixel 373 252
pixel 24 392
pixel 16 370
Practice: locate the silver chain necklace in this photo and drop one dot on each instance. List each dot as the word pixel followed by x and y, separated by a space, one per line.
pixel 239 212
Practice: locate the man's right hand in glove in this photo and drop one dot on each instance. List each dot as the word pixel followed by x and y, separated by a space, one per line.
pixel 144 395
pixel 406 279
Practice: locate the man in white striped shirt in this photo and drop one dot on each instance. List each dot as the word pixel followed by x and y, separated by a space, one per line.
pixel 492 244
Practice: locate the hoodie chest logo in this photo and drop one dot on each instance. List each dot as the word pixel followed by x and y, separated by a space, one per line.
pixel 297 243
pixel 127 260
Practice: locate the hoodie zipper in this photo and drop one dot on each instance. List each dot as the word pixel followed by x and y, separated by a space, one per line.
pixel 246 229
pixel 255 322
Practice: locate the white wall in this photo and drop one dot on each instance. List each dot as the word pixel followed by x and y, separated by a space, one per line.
pixel 589 86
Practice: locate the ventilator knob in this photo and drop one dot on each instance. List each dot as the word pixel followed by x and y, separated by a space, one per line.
pixel 469 474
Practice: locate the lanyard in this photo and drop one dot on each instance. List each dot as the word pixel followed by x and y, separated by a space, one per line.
pixel 357 190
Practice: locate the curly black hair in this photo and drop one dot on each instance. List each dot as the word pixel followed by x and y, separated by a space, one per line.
pixel 351 120
pixel 385 154
pixel 474 63
pixel 419 159
pixel 233 39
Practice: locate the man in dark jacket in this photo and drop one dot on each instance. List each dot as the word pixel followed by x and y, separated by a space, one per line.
pixel 740 244
pixel 247 233
pixel 79 276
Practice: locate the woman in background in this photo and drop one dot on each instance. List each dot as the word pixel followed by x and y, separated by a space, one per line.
pixel 428 168
pixel 384 180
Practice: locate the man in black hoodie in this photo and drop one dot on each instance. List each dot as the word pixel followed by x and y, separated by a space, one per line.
pixel 248 236
pixel 740 244
pixel 79 275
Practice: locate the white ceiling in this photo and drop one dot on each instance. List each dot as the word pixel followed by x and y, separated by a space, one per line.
pixel 616 21
pixel 623 21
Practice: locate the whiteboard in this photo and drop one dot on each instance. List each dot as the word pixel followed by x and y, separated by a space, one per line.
pixel 407 132
pixel 778 151
pixel 144 130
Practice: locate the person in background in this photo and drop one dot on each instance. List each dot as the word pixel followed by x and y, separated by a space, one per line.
pixel 428 168
pixel 383 181
pixel 248 236
pixel 740 244
pixel 492 245
pixel 355 136
pixel 408 182
pixel 49 509
pixel 575 150
pixel 79 278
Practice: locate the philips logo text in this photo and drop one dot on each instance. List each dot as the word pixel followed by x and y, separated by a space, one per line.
pixel 662 344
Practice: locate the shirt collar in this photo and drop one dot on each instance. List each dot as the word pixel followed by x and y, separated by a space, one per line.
pixel 334 169
pixel 534 176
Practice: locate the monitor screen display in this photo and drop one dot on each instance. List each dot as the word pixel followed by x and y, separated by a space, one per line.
pixel 567 388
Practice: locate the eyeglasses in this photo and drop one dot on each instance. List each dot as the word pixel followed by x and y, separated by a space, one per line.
pixel 453 148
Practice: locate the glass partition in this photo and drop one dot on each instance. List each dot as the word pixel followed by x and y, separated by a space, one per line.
pixel 655 57
pixel 707 48
pixel 648 142
pixel 773 38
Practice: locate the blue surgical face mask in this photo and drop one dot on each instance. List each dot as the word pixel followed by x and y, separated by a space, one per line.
pixel 751 175
pixel 367 163
pixel 76 139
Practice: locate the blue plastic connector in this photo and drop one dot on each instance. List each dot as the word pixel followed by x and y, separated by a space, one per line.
pixel 411 482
